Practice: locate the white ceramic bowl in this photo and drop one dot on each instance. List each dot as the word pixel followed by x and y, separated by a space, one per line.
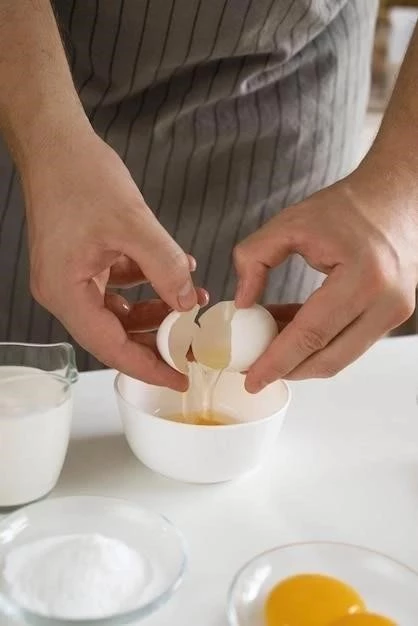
pixel 202 454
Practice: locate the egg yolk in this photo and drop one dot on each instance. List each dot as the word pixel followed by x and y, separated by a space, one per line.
pixel 311 600
pixel 363 619
pixel 203 418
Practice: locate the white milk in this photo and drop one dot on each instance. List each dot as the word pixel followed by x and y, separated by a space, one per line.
pixel 35 419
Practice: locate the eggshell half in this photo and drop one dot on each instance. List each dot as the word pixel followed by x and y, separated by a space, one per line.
pixel 211 344
pixel 175 336
pixel 224 338
pixel 252 331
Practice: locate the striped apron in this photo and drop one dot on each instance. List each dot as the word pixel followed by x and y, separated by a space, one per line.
pixel 224 111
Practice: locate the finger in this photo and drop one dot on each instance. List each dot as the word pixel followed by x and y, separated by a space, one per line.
pixel 148 339
pixel 256 255
pixel 202 296
pixel 100 332
pixel 161 259
pixel 146 315
pixel 149 314
pixel 344 349
pixel 283 313
pixel 335 305
pixel 118 305
pixel 125 273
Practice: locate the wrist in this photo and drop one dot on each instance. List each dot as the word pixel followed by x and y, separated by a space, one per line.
pixel 385 195
pixel 35 142
pixel 388 176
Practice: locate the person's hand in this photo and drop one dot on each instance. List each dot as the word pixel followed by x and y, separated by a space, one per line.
pixel 88 227
pixel 361 233
pixel 140 319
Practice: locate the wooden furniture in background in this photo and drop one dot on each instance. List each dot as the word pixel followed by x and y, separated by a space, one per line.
pixel 383 75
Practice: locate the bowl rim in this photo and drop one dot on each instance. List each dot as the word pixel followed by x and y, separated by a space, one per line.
pixel 225 427
pixel 230 610
pixel 8 607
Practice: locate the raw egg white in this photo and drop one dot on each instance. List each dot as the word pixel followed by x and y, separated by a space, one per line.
pixel 224 337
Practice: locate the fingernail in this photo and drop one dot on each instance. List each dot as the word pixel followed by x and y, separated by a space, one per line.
pixel 187 296
pixel 192 264
pixel 204 298
pixel 256 386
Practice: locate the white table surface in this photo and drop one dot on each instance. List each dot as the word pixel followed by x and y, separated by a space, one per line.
pixel 345 469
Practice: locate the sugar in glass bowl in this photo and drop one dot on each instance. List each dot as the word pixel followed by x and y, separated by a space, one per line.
pixel 150 535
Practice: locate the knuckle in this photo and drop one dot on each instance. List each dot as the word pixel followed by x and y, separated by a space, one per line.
pixel 239 254
pixel 38 288
pixel 377 276
pixel 327 368
pixel 382 271
pixel 312 340
pixel 177 266
pixel 402 307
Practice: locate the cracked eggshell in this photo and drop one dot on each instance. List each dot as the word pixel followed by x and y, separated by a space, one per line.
pixel 231 338
pixel 224 338
pixel 175 336
pixel 211 345
pixel 252 331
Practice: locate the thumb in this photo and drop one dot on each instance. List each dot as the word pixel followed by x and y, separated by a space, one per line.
pixel 162 261
pixel 101 333
pixel 256 255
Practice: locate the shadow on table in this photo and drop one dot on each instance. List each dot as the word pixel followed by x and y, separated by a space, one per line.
pixel 106 466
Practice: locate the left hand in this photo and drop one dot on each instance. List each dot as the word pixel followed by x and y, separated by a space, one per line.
pixel 140 319
pixel 363 234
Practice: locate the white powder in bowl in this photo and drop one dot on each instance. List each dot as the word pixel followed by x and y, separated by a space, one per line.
pixel 86 576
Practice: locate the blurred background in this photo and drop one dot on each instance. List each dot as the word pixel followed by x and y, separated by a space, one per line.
pixel 394 28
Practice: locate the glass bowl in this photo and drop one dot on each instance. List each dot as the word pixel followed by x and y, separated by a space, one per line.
pixel 387 587
pixel 154 537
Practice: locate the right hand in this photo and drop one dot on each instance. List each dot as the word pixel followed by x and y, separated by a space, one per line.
pixel 88 223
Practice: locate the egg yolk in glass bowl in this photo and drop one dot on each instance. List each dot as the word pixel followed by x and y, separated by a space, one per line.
pixel 311 600
pixel 318 600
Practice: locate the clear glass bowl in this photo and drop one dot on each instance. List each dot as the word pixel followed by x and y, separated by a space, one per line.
pixel 150 534
pixel 387 587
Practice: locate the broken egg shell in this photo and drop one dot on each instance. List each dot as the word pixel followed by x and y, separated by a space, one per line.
pixel 226 337
pixel 211 344
pixel 252 332
pixel 175 336
pixel 231 338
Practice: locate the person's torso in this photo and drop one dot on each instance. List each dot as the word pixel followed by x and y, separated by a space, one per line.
pixel 119 48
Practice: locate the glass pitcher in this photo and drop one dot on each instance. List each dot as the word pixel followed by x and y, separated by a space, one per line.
pixel 35 418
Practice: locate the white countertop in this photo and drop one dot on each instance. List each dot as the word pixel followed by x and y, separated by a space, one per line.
pixel 345 469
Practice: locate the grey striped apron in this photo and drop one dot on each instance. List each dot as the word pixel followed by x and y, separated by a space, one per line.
pixel 223 110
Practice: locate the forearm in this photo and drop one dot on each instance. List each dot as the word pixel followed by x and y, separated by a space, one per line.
pixel 38 100
pixel 395 150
